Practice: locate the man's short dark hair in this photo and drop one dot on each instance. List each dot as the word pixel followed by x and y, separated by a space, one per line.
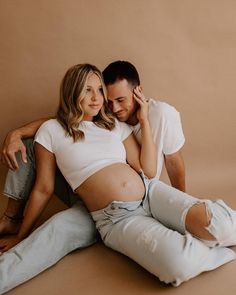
pixel 120 70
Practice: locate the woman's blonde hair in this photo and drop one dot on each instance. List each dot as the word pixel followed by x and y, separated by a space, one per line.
pixel 70 113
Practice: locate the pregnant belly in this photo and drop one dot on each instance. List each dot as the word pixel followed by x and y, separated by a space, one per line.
pixel 117 182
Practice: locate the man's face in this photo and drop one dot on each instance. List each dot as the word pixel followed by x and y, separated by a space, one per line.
pixel 121 100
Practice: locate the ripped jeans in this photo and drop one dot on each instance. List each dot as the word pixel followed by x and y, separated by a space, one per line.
pixel 152 233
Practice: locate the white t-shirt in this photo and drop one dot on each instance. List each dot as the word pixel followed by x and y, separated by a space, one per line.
pixel 166 129
pixel 77 161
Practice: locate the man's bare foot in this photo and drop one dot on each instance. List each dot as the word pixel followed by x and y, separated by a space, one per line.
pixel 9 224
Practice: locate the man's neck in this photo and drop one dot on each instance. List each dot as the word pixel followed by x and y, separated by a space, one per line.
pixel 132 120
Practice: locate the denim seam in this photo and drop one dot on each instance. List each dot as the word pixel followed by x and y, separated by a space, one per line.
pixel 12 196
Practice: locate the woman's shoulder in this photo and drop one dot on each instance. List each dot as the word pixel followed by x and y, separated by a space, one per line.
pixel 120 124
pixel 122 128
pixel 51 126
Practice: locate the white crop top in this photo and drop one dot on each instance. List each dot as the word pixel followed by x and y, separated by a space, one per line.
pixel 77 161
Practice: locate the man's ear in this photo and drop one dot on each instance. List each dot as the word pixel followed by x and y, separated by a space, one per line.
pixel 141 88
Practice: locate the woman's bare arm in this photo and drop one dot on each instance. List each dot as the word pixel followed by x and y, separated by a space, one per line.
pixel 147 156
pixel 39 197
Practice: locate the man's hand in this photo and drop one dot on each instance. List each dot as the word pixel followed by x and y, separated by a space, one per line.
pixel 8 242
pixel 11 145
pixel 142 113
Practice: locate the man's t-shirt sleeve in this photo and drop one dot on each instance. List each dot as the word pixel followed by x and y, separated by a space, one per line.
pixel 173 133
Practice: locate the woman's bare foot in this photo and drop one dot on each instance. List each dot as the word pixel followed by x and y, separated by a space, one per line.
pixel 9 224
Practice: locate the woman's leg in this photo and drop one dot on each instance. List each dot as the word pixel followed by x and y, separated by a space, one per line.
pixel 171 256
pixel 211 221
pixel 64 232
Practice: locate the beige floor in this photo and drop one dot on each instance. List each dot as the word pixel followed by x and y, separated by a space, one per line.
pixel 99 270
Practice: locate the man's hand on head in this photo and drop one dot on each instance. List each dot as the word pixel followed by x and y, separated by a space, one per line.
pixel 12 144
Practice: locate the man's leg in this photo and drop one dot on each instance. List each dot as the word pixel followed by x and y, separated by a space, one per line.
pixel 17 188
pixel 63 191
pixel 64 232
pixel 12 217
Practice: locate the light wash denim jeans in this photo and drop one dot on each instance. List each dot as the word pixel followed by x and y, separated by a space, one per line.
pixel 152 233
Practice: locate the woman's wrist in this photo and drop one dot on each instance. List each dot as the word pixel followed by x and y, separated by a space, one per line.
pixel 144 123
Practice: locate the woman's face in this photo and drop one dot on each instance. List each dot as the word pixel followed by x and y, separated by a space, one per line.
pixel 93 99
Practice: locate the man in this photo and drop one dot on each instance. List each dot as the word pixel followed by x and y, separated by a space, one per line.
pixel 121 78
pixel 74 227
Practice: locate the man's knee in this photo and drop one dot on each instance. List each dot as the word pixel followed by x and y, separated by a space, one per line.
pixel 29 145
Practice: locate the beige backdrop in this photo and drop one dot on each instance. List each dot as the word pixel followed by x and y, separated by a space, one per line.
pixel 184 51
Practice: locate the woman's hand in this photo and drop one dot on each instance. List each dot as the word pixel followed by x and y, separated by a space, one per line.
pixel 142 113
pixel 148 156
pixel 8 242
